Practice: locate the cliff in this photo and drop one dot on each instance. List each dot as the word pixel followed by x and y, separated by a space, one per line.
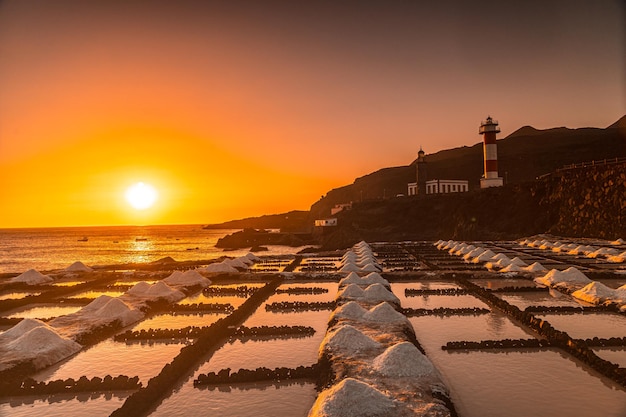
pixel 587 201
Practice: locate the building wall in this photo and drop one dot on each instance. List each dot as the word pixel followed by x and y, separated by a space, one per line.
pixel 446 186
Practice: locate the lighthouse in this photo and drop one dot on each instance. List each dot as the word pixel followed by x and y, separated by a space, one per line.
pixel 488 129
pixel 421 173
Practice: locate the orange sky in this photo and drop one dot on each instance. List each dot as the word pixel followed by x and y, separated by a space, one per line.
pixel 236 110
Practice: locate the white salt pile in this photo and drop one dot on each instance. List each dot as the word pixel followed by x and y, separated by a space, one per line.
pixel 219 267
pixel 351 278
pixel 350 398
pixel 32 277
pixel 595 293
pixel 511 268
pixel 187 279
pixel 252 257
pixel 374 278
pixel 370 267
pixel 377 293
pixel 347 341
pixel 238 263
pixel 517 261
pixel 571 278
pixel 102 311
pixel 350 310
pixel 78 266
pixel 602 252
pixel 403 360
pixel 350 292
pixel 349 267
pixel 535 267
pixel 157 291
pixel 617 258
pixel 385 313
pixel 36 342
pixel 472 254
pixel 483 256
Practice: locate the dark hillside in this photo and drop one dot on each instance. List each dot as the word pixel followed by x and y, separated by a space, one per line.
pixel 523 156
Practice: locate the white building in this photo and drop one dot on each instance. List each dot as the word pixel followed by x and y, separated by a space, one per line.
pixel 446 186
pixel 326 222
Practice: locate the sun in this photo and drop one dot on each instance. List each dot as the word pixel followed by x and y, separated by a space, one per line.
pixel 141 196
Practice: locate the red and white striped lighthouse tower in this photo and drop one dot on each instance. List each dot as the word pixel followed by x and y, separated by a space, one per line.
pixel 488 129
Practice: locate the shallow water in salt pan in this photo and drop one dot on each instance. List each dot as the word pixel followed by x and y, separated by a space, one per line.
pixel 241 400
pixel 45 312
pixel 527 383
pixel 114 358
pixel 17 295
pixel 494 284
pixel 449 301
pixel 86 404
pixel 178 321
pixel 588 325
pixel 548 299
pixel 96 294
pixel 616 355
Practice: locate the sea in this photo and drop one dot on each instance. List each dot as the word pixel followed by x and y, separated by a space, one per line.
pixel 47 249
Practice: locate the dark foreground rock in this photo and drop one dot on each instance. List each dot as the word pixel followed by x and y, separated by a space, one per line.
pixel 248 238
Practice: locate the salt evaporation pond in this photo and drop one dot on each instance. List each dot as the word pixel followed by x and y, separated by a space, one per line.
pixel 615 354
pixel 448 301
pixel 178 321
pixel 96 294
pixel 256 399
pixel 495 284
pixel 240 400
pixel 63 405
pixel 45 312
pixel 16 295
pixel 588 325
pixel 548 299
pixel 527 383
pixel 114 358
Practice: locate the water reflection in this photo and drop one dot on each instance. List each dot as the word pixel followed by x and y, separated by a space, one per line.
pixel 63 405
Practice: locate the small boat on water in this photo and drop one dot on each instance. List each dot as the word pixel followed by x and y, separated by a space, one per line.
pixel 83 239
pixel 141 239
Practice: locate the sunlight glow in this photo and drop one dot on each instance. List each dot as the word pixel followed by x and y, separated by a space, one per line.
pixel 141 196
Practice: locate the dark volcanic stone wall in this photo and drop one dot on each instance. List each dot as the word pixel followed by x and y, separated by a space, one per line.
pixel 588 202
pixel 582 202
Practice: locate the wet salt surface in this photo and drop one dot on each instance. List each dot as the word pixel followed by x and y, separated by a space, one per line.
pixel 527 383
pixel 552 298
pixel 494 284
pixel 256 399
pixel 17 295
pixel 448 301
pixel 45 312
pixel 241 400
pixel 436 331
pixel 63 405
pixel 271 354
pixel 616 355
pixel 207 299
pixel 178 321
pixel 588 325
pixel 612 283
pixel 96 294
pixel 114 358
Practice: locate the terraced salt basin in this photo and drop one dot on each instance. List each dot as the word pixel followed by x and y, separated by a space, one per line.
pixel 144 360
pixel 511 382
pixel 45 312
pixel 263 399
pixel 63 405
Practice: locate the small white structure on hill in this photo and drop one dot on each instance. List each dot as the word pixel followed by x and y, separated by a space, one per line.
pixel 423 186
pixel 326 222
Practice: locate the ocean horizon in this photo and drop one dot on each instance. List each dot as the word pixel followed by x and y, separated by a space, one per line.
pixel 53 248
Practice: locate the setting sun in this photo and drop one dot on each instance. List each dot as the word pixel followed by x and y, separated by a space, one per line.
pixel 141 196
